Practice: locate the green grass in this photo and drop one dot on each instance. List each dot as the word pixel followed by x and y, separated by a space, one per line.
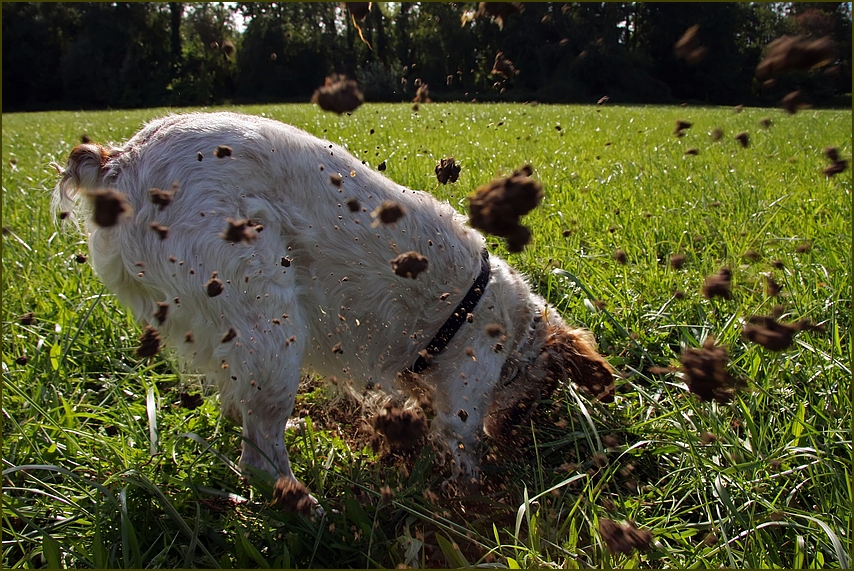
pixel 103 468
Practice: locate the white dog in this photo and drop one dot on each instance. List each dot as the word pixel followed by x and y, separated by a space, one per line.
pixel 315 290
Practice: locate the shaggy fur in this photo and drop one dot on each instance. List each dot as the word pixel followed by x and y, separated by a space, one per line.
pixel 314 291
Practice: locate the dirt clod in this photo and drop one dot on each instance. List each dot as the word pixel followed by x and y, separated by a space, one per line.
pixel 388 212
pixel 222 151
pixel 447 170
pixel 772 288
pixel 409 264
pixel 292 496
pixel 689 47
pixel 602 100
pixel 681 125
pixel 792 103
pixel 835 168
pixel 693 151
pixel 162 311
pixel 765 122
pixel 496 208
pixel 214 286
pixel 717 134
pixel 404 430
pixel 338 94
pixel 718 285
pixel 229 335
pixel 27 319
pixel 80 259
pixel 191 402
pixel 503 66
pixel 743 138
pixel 110 206
pixel 621 257
pixel 162 231
pixel 623 538
pixel 794 53
pixel 239 231
pixel 677 261
pixel 765 330
pixel 149 343
pixel 499 11
pixel 422 95
pixel 706 374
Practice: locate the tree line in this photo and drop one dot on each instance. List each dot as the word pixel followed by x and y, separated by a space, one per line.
pixel 127 54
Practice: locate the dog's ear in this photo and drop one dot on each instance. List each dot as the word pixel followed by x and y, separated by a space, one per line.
pixel 570 354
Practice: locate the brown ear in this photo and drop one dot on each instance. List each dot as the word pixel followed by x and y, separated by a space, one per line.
pixel 570 354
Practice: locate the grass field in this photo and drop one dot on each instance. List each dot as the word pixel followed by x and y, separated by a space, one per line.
pixel 106 465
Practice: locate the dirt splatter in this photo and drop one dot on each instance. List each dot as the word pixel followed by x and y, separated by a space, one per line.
pixel 292 496
pixel 681 125
pixel 447 170
pixel 422 95
pixel 162 231
pixel 239 231
pixel 706 375
pixel 388 212
pixel 222 151
pixel 499 11
pixel 338 94
pixel 766 331
pixel 229 335
pixel 404 430
pixel 718 285
pixel 409 264
pixel 149 343
pixel 214 285
pixel 110 206
pixel 163 198
pixel 503 66
pixel 794 53
pixel 623 538
pixel 162 311
pixel 496 208
pixel 689 47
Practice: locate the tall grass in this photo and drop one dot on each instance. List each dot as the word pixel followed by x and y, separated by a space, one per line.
pixel 103 467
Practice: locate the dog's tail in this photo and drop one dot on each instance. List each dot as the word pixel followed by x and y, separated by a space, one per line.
pixel 85 171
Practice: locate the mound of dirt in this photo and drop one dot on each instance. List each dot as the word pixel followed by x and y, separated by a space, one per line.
pixel 794 53
pixel 496 208
pixel 447 170
pixel 706 374
pixel 623 538
pixel 338 94
pixel 409 264
pixel 404 430
pixel 292 496
pixel 689 47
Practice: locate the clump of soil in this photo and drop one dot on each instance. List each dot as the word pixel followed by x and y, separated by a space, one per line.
pixel 110 206
pixel 792 103
pixel 214 286
pixel 602 100
pixel 706 374
pixel 689 47
pixel 623 538
pixel 717 134
pixel 794 53
pixel 718 285
pixel 162 231
pixel 359 10
pixel 693 151
pixel 681 125
pixel 338 94
pixel 149 343
pixel 765 330
pixel 162 311
pixel 388 212
pixel 743 138
pixel 162 198
pixel 80 258
pixel 677 261
pixel 404 430
pixel 229 335
pixel 832 153
pixel 835 168
pixel 292 496
pixel 447 170
pixel 772 288
pixel 409 264
pixel 239 231
pixel 27 319
pixel 353 205
pixel 765 122
pixel 336 180
pixel 503 66
pixel 222 151
pixel 422 95
pixel 499 11
pixel 496 208
pixel 621 257
pixel 191 402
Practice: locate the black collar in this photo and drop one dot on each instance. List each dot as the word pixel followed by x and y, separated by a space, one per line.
pixel 457 318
